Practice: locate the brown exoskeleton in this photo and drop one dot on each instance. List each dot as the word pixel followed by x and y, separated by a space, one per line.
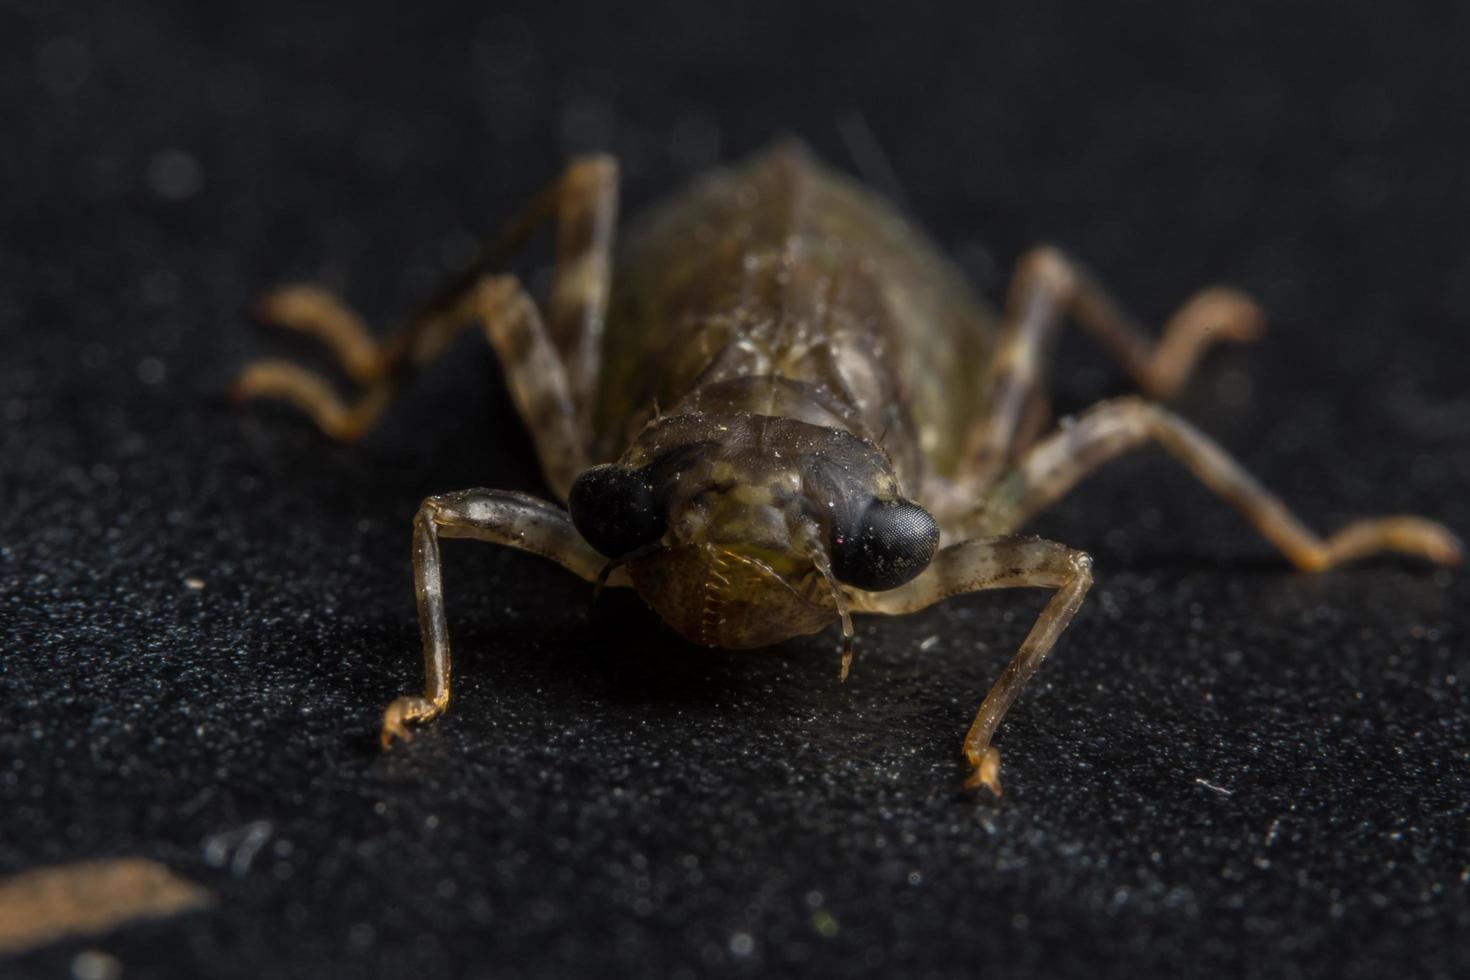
pixel 796 409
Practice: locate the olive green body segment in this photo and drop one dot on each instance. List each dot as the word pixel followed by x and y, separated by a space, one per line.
pixel 774 403
pixel 783 270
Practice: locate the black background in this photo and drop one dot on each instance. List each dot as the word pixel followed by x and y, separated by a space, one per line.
pixel 1226 769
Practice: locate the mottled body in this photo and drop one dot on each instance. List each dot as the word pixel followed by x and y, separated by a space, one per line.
pixel 783 288
pixel 773 401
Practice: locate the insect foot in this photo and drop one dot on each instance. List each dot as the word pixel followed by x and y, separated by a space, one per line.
pixel 985 766
pixel 1405 534
pixel 409 709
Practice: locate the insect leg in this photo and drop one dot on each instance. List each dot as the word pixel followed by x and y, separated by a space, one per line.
pixel 533 371
pixel 381 369
pixel 1061 460
pixel 583 202
pixel 515 520
pixel 586 221
pixel 1048 286
pixel 317 312
pixel 997 563
pixel 536 376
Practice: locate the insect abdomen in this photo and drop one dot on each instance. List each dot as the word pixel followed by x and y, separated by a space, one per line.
pixel 780 268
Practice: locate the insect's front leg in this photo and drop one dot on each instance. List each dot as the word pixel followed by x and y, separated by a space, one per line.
pixel 515 520
pixel 1003 562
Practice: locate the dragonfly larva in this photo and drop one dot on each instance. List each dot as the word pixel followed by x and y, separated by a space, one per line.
pixel 774 404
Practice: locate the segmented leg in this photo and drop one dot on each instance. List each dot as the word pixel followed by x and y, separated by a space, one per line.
pixel 533 371
pixel 997 563
pixel 584 205
pixel 499 517
pixel 586 221
pixel 316 312
pixel 1047 286
pixel 1061 460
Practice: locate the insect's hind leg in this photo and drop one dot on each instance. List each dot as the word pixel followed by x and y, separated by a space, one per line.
pixel 500 517
pixel 1048 286
pixel 533 370
pixel 1057 463
pixel 997 563
pixel 583 203
pixel 316 312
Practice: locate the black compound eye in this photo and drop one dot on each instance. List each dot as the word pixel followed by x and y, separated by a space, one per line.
pixel 890 544
pixel 616 510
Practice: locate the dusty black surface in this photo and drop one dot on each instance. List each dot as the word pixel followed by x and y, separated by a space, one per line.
pixel 1227 768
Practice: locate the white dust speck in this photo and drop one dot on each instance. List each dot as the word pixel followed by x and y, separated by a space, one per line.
pixel 237 847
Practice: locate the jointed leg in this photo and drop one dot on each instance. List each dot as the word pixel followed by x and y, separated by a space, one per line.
pixel 1048 286
pixel 584 205
pixel 499 517
pixel 1057 463
pixel 586 220
pixel 536 377
pixel 316 312
pixel 997 563
pixel 533 371
pixel 314 395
